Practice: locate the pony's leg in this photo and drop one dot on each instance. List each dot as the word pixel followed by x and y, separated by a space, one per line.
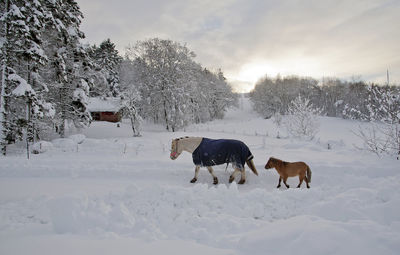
pixel 196 173
pixel 301 178
pixel 243 177
pixel 213 175
pixel 305 178
pixel 232 177
pixel 284 181
pixel 279 183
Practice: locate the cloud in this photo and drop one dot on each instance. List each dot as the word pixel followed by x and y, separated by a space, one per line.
pixel 317 38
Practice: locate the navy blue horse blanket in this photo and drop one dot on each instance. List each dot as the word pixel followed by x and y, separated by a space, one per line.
pixel 212 152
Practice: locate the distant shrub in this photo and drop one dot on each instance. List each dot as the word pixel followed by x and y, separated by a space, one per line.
pixel 301 120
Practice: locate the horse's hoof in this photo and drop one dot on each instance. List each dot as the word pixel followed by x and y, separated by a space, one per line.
pixel 231 179
pixel 241 181
pixel 215 181
pixel 193 180
pixel 278 186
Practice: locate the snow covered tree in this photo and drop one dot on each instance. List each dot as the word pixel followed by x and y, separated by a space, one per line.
pixel 219 94
pixel 382 136
pixel 35 108
pixel 160 68
pixel 131 98
pixel 97 76
pixel 354 106
pixel 129 107
pixel 22 56
pixel 108 61
pixel 301 121
pixel 8 14
pixel 69 65
pixel 263 98
pixel 330 98
pixel 272 96
pixel 175 90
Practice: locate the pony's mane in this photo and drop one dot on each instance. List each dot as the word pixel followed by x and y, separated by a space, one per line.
pixel 280 161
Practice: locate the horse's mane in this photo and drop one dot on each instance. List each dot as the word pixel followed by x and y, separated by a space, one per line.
pixel 280 162
pixel 180 138
pixel 187 137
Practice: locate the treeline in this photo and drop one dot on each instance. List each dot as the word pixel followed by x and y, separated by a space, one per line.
pixel 162 80
pixel 48 75
pixel 379 105
pixel 336 98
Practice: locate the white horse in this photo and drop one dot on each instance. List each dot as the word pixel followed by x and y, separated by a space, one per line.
pixel 208 152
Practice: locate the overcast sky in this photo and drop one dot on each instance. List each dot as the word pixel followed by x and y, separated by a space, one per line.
pixel 250 38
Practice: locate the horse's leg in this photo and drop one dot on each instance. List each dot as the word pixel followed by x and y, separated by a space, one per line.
pixel 232 177
pixel 284 181
pixel 305 178
pixel 301 178
pixel 243 177
pixel 279 183
pixel 213 175
pixel 196 173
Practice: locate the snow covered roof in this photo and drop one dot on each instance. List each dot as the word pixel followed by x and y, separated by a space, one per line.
pixel 109 104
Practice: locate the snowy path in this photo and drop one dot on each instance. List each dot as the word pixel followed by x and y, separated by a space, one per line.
pixel 114 194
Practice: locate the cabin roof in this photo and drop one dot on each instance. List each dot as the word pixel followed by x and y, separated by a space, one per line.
pixel 108 104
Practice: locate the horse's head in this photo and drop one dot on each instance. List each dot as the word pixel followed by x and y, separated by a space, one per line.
pixel 271 163
pixel 176 150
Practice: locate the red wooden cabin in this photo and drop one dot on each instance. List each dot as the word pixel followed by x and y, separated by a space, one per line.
pixel 105 109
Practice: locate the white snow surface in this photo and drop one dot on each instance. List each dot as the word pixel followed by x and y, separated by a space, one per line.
pixel 103 191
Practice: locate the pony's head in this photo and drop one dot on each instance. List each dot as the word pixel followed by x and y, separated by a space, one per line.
pixel 176 150
pixel 271 163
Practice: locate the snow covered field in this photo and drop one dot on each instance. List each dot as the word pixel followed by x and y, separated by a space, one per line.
pixel 115 194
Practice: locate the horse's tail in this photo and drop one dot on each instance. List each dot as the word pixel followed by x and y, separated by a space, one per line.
pixel 250 163
pixel 308 174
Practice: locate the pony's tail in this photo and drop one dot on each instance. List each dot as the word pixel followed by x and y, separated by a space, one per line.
pixel 250 163
pixel 308 174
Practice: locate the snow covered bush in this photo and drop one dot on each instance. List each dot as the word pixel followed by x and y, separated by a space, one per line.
pixel 301 120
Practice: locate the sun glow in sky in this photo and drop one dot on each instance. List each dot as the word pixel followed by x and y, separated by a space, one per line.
pixel 248 39
pixel 252 72
pixel 244 80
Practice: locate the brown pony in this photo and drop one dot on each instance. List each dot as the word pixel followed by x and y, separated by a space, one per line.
pixel 286 169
